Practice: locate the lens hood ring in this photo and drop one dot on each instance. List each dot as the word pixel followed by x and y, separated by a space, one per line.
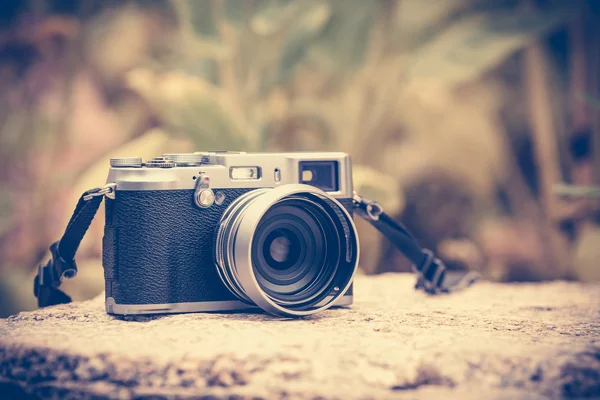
pixel 243 245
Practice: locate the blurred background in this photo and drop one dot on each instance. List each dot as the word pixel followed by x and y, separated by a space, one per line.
pixel 474 122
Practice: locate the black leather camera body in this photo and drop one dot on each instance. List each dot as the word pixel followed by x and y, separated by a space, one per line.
pixel 223 231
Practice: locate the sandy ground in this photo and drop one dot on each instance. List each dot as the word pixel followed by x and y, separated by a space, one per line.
pixel 494 341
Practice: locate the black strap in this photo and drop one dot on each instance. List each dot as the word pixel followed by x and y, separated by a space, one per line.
pixel 62 264
pixel 430 269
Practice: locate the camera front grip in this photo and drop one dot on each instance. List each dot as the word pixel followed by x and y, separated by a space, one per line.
pixel 430 270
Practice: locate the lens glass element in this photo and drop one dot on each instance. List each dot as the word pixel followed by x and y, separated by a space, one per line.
pixel 290 248
pixel 282 248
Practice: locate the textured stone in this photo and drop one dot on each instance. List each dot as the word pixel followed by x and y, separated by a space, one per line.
pixel 493 340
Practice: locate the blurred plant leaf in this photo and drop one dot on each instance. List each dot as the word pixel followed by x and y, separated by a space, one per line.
pixel 342 46
pixel 191 106
pixel 199 14
pixel 417 21
pixel 199 36
pixel 312 18
pixel 475 44
pixel 198 47
pixel 239 12
pixel 276 16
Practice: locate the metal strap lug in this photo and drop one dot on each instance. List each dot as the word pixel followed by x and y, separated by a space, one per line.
pixel 108 191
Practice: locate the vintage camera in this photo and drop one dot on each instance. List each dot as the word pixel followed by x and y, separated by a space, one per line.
pixel 222 231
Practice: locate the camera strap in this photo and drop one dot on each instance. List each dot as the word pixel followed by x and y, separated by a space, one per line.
pixel 431 270
pixel 62 264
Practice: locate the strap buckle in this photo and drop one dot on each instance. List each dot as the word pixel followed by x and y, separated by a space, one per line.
pixel 372 209
pixel 108 191
pixel 50 276
pixel 431 272
pixel 57 269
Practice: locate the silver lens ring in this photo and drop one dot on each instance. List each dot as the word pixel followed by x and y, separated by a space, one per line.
pixel 226 234
pixel 234 250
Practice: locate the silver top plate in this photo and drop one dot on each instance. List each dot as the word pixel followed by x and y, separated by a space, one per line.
pixel 276 169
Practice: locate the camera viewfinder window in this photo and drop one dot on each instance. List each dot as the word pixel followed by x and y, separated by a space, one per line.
pixel 322 174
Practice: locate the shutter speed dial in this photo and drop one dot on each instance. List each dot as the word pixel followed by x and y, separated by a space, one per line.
pixel 160 162
pixel 166 161
pixel 126 162
pixel 186 159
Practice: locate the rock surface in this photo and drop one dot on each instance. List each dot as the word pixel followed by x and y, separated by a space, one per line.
pixel 493 340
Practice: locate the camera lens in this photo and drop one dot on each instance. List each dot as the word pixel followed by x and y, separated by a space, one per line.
pixel 291 250
pixel 297 222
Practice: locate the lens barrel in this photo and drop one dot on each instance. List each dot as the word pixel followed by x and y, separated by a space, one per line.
pixel 292 250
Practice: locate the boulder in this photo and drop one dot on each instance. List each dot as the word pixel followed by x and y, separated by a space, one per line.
pixel 494 340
